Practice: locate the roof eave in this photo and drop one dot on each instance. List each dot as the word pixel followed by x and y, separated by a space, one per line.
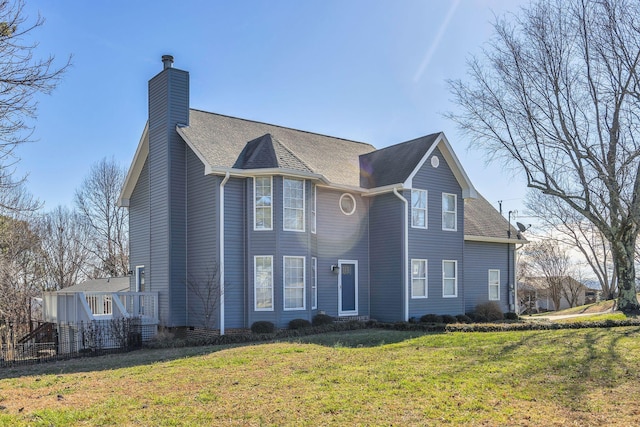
pixel 468 190
pixel 490 239
pixel 135 169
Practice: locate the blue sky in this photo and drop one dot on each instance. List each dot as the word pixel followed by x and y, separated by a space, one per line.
pixel 367 70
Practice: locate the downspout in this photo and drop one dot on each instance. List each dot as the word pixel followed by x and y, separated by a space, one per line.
pixel 221 224
pixel 515 274
pixel 406 253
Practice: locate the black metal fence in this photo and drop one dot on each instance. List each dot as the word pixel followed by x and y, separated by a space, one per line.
pixel 81 339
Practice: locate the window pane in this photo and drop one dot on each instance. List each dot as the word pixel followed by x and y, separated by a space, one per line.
pixel 493 292
pixel 418 217
pixel 419 208
pixel 293 212
pixel 263 282
pixel 449 202
pixel 449 269
pixel 449 287
pixel 262 201
pixel 449 220
pixel 418 287
pixel 293 283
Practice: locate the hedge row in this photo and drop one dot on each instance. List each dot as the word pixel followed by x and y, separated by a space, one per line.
pixel 372 324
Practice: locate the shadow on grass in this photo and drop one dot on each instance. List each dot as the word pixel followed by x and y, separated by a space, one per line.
pixel 113 361
pixel 363 338
pixel 350 339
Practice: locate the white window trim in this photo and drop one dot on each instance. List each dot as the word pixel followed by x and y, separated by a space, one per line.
pixel 138 268
pixel 494 284
pixel 255 283
pixel 353 200
pixel 314 207
pixel 426 280
pixel 255 207
pixel 425 209
pixel 304 283
pixel 314 283
pixel 284 208
pixel 455 212
pixel 455 286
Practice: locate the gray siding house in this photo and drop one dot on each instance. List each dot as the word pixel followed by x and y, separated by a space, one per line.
pixel 234 221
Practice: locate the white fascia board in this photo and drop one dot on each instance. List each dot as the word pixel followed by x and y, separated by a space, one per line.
pixel 468 190
pixel 488 239
pixel 382 190
pixel 244 173
pixel 193 148
pixel 142 152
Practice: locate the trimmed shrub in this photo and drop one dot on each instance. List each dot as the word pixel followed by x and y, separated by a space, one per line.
pixel 322 319
pixel 431 318
pixel 463 318
pixel 263 327
pixel 299 324
pixel 490 311
pixel 511 316
pixel 447 318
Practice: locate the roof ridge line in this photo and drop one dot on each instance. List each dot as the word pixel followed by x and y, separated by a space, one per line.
pixel 273 137
pixel 285 127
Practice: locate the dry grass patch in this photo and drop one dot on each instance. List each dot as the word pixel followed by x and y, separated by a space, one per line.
pixel 565 377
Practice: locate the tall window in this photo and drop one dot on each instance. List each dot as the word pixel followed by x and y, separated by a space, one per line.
pixel 314 283
pixel 449 212
pixel 263 282
pixel 419 208
pixel 293 205
pixel 140 278
pixel 313 208
pixel 418 278
pixel 294 283
pixel 449 279
pixel 494 285
pixel 263 195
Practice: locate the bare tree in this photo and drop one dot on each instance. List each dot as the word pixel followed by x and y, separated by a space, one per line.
pixel 553 264
pixel 96 200
pixel 65 242
pixel 205 291
pixel 569 227
pixel 556 94
pixel 20 274
pixel 21 77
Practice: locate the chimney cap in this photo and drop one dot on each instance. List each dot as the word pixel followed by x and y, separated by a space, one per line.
pixel 167 60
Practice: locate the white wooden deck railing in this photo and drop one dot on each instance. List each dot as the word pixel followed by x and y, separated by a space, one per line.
pixel 70 307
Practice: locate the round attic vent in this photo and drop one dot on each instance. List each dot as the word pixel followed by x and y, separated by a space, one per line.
pixel 435 161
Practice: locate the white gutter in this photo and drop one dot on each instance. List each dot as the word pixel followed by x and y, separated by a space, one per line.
pixel 221 222
pixel 406 253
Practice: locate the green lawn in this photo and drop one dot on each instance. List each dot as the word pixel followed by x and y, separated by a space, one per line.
pixel 367 377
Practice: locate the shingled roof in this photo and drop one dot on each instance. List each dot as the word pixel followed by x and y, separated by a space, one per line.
pixel 222 143
pixel 394 164
pixel 482 220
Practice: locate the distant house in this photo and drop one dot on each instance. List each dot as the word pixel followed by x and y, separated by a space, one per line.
pixel 535 294
pixel 289 223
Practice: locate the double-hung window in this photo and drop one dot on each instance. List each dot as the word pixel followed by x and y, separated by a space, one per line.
pixel 449 279
pixel 262 197
pixel 494 285
pixel 419 208
pixel 263 282
pixel 293 205
pixel 449 212
pixel 419 278
pixel 294 283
